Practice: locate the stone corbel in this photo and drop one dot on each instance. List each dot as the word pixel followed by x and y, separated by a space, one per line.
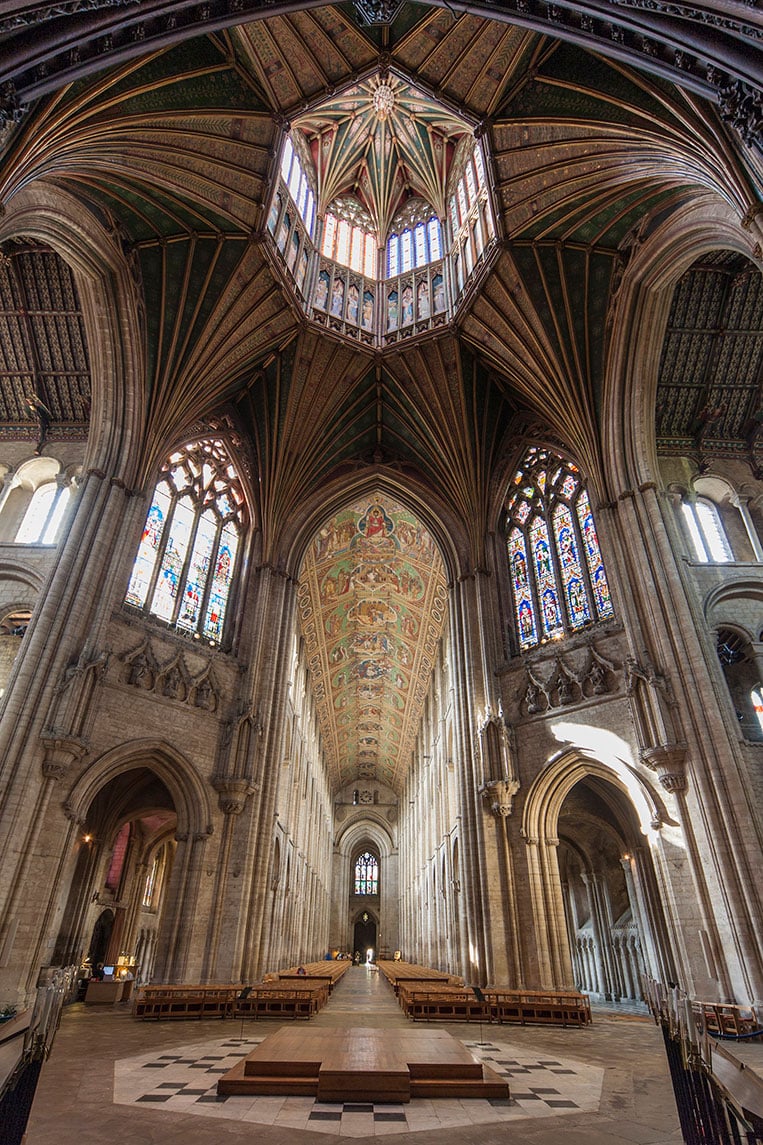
pixel 669 762
pixel 232 794
pixel 61 751
pixel 500 793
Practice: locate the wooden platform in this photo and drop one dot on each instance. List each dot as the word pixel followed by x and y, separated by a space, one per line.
pixel 363 1064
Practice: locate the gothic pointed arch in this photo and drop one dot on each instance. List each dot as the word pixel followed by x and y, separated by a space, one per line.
pixel 652 266
pixel 110 293
pixel 190 795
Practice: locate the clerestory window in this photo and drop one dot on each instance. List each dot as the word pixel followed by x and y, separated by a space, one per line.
pixel 707 534
pixel 43 518
pixel 558 580
pixel 189 551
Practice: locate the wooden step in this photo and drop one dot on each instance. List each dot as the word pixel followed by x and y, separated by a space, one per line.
pixel 363 1064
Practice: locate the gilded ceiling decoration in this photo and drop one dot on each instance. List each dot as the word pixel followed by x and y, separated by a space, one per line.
pixel 372 603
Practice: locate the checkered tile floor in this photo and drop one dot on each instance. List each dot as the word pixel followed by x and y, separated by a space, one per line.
pixel 186 1080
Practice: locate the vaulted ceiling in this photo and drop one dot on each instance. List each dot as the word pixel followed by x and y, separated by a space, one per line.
pixel 170 140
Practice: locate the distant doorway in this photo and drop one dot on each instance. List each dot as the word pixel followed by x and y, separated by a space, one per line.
pixel 364 935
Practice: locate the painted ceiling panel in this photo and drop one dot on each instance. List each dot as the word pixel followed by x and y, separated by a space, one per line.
pixel 372 601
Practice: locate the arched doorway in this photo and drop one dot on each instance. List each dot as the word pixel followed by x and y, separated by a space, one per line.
pixel 100 938
pixel 123 866
pixel 598 843
pixel 598 914
pixel 364 936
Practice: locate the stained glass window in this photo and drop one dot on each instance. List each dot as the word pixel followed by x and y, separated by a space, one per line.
pixel 576 600
pixel 593 557
pixel 523 599
pixel 183 572
pixel 558 580
pixel 366 874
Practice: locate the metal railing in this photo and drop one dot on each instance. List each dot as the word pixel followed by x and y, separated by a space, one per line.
pixel 26 1046
pixel 719 1101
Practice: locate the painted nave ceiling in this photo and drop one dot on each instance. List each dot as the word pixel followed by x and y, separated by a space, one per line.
pixel 419 365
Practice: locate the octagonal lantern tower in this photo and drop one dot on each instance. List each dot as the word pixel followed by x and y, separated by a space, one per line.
pixel 381 221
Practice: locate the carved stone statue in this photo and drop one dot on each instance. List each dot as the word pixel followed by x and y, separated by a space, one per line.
pixel 140 671
pixel 173 683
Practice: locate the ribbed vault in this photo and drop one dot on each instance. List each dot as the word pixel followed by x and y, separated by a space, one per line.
pixel 171 151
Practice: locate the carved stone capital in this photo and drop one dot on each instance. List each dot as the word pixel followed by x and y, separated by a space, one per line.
pixel 500 793
pixel 669 762
pixel 232 794
pixel 61 751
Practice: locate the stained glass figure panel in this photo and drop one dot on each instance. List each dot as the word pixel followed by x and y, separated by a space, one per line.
pixel 523 600
pixel 545 579
pixel 366 875
pixel 593 557
pixel 198 571
pixel 568 487
pixel 140 581
pixel 170 570
pixel 576 598
pixel 221 583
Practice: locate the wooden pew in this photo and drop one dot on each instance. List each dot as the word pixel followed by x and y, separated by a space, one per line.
pixel 398 973
pixel 441 1003
pixel 546 1007
pixel 186 1001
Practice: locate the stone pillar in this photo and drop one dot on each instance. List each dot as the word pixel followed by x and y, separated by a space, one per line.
pixel 675 708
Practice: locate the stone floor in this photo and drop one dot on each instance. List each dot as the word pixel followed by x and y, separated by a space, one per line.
pixel 113 1079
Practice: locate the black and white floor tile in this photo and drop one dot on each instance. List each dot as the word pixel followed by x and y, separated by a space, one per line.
pixel 185 1079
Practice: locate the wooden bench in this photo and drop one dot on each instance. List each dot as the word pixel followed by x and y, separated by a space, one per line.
pixel 443 1003
pixel 723 1018
pixel 328 971
pixel 277 1002
pixel 185 1002
pixel 538 1007
pixel 399 973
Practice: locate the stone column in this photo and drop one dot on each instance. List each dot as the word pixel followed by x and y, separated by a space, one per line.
pixel 676 708
pixel 232 796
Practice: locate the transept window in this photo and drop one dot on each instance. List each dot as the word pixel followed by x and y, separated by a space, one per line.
pixel 558 580
pixel 366 874
pixel 188 553
pixel 706 531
